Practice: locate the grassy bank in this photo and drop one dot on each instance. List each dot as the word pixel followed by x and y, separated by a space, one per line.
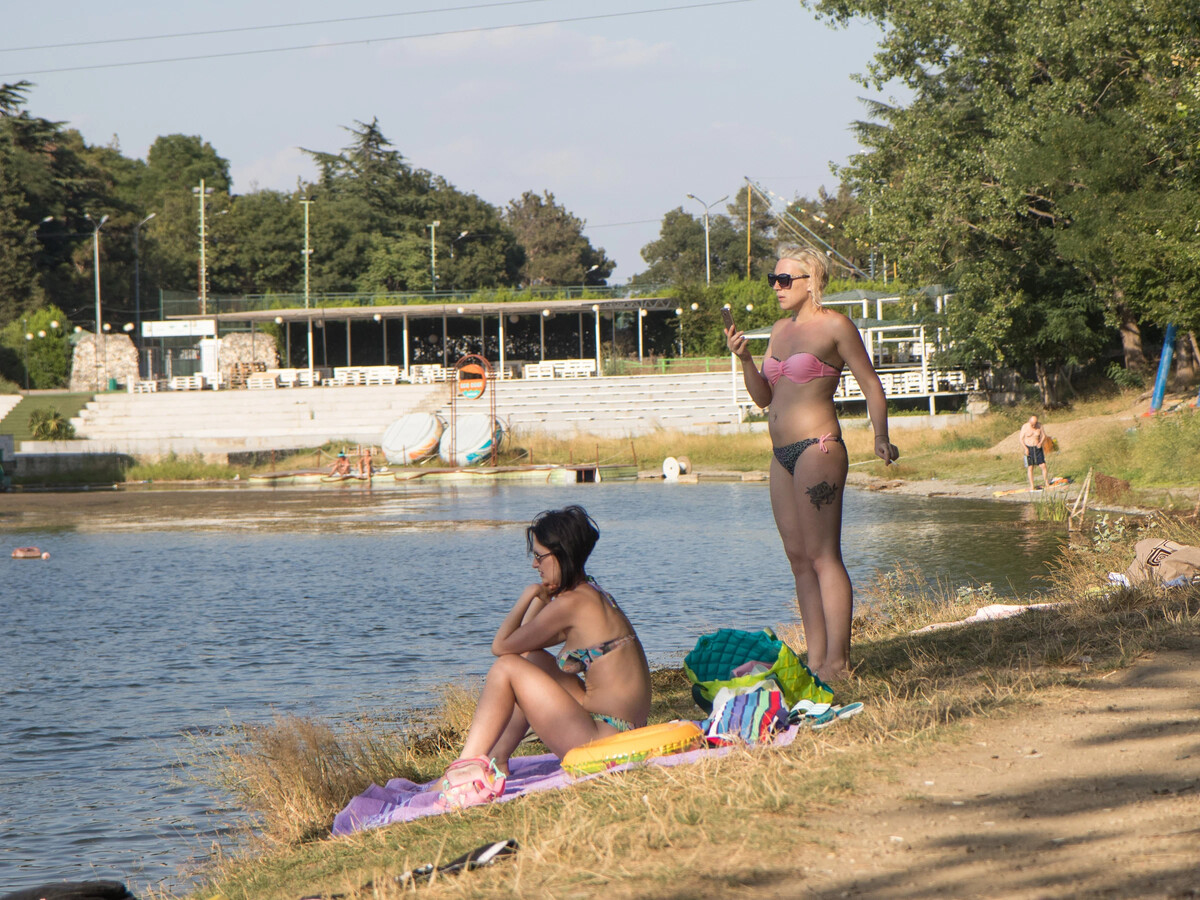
pixel 699 830
pixel 1156 456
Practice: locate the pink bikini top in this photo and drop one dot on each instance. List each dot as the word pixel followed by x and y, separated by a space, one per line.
pixel 800 368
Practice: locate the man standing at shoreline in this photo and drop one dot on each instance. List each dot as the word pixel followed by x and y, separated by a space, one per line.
pixel 1033 440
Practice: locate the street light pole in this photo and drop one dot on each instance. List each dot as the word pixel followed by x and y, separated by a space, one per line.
pixel 707 252
pixel 307 255
pixel 137 279
pixel 583 286
pixel 99 318
pixel 433 252
pixel 28 338
pixel 201 192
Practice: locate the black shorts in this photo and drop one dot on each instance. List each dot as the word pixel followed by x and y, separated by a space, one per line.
pixel 1034 456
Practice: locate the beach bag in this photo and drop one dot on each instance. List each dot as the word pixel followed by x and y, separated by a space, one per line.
pixel 752 717
pixel 1163 561
pixel 711 664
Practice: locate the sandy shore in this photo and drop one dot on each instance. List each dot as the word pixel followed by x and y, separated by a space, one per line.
pixel 1081 792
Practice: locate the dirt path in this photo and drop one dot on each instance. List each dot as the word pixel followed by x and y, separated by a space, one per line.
pixel 1093 792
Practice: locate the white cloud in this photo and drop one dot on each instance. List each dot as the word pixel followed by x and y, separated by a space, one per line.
pixel 277 171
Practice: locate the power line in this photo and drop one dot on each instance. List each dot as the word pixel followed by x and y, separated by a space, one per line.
pixel 619 224
pixel 185 34
pixel 401 37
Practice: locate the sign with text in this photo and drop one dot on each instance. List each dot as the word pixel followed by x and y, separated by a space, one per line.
pixel 188 328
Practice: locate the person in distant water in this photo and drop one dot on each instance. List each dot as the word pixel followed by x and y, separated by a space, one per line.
pixel 364 462
pixel 805 356
pixel 341 465
pixel 1033 443
pixel 599 682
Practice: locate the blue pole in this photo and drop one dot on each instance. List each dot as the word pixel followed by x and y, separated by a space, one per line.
pixel 1164 368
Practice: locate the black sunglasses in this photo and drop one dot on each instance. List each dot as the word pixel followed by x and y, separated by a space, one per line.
pixel 785 280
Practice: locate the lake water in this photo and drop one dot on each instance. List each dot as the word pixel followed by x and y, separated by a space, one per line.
pixel 167 612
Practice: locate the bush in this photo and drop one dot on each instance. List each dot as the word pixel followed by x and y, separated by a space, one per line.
pixel 1125 379
pixel 50 425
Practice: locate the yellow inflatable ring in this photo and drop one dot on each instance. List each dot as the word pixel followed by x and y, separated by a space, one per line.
pixel 633 746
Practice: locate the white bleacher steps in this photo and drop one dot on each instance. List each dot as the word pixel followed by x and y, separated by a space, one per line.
pixel 206 421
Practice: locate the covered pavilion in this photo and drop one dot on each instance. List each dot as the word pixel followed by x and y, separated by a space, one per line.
pixel 501 313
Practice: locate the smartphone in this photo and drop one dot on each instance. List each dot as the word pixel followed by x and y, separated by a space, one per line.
pixel 727 316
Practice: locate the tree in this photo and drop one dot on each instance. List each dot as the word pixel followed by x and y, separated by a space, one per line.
pixel 556 251
pixel 983 180
pixel 677 257
pixel 45 171
pixel 45 358
pixel 827 217
pixel 175 165
pixel 761 227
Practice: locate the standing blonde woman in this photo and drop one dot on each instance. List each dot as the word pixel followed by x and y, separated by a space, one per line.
pixel 803 363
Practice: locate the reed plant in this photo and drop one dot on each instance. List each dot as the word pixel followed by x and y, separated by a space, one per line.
pixel 715 827
pixel 175 467
pixel 1051 507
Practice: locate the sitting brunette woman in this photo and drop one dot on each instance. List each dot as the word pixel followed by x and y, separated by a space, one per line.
pixel 803 364
pixel 597 685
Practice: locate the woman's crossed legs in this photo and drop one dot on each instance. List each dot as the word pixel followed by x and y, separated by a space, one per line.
pixel 524 691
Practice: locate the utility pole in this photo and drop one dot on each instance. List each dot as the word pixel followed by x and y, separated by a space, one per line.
pixel 433 252
pixel 201 193
pixel 748 196
pixel 307 255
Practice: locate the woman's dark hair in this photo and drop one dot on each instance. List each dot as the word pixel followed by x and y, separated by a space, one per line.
pixel 570 534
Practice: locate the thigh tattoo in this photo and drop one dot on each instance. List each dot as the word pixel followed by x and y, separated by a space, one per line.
pixel 822 493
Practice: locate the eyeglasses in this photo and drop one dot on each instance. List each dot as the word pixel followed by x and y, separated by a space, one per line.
pixel 785 280
pixel 538 557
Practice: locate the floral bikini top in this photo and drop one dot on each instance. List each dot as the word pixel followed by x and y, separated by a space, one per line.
pixel 579 660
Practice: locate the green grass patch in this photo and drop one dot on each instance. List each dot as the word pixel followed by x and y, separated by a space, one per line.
pixel 190 467
pixel 17 422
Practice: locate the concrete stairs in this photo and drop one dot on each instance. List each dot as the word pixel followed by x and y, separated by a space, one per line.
pixel 215 422
pixel 7 403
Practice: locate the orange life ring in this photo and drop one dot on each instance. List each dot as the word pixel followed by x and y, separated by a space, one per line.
pixel 472 386
pixel 633 746
pixel 29 553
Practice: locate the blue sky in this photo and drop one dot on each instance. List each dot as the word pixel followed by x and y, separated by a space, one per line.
pixel 620 117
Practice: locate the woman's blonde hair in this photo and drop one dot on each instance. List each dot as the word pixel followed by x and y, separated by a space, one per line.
pixel 814 263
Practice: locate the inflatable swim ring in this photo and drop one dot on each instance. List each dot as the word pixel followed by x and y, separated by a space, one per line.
pixel 633 746
pixel 473 437
pixel 29 553
pixel 411 438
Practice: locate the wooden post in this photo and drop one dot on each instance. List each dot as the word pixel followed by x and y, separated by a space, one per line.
pixel 1080 505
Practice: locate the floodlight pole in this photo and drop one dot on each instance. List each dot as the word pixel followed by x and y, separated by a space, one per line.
pixel 707 252
pixel 307 255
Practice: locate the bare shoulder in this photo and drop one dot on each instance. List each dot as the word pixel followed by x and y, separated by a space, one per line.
pixel 837 322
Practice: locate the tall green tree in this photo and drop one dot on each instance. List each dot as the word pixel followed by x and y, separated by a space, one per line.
pixel 679 256
pixel 170 246
pixel 985 180
pixel 47 183
pixel 556 250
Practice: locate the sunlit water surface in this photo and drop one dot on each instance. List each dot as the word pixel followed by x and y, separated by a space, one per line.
pixel 167 613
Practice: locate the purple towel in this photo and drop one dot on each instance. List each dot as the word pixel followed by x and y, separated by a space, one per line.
pixel 403 800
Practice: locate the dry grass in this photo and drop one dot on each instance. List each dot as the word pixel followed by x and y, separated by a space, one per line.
pixel 742 451
pixel 702 830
